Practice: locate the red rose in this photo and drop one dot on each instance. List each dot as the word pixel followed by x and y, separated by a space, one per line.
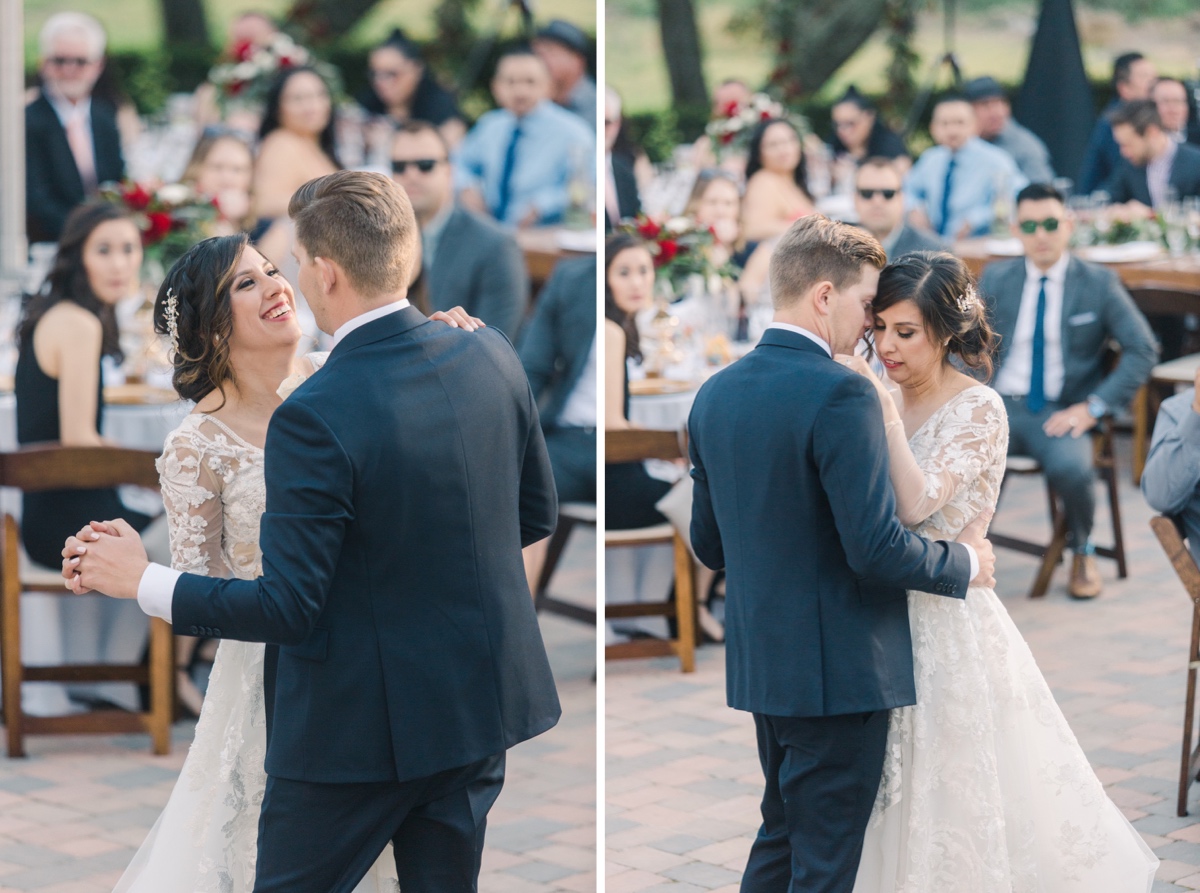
pixel 242 50
pixel 648 229
pixel 731 109
pixel 726 139
pixel 764 116
pixel 286 62
pixel 136 197
pixel 158 224
pixel 667 249
pixel 233 88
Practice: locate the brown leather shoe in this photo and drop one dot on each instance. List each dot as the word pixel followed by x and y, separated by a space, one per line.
pixel 1085 578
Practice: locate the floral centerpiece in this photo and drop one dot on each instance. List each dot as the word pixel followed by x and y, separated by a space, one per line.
pixel 172 218
pixel 731 129
pixel 246 79
pixel 680 248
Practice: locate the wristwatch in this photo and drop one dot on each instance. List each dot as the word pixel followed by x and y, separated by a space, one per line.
pixel 1096 407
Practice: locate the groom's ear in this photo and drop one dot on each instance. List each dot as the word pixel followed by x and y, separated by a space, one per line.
pixel 821 295
pixel 327 273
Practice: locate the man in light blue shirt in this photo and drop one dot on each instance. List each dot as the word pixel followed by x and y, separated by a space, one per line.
pixel 518 162
pixel 952 188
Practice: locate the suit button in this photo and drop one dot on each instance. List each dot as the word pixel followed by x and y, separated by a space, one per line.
pixel 192 630
pixel 217 633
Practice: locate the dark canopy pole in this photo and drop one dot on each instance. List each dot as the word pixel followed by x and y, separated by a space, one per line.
pixel 1055 101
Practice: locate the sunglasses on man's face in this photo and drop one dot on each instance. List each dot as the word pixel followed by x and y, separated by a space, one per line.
pixel 868 194
pixel 1029 227
pixel 64 61
pixel 424 165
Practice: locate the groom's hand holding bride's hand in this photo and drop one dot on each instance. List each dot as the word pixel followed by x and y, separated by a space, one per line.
pixel 975 536
pixel 107 557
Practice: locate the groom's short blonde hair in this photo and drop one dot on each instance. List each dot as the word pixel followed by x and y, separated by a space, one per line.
pixel 817 249
pixel 362 221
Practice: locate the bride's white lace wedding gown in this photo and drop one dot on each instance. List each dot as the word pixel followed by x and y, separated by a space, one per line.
pixel 985 788
pixel 205 840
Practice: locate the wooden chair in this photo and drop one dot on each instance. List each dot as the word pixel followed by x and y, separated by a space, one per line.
pixel 1169 535
pixel 1105 463
pixel 570 515
pixel 635 446
pixel 53 467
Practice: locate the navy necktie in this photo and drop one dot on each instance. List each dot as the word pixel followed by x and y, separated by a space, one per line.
pixel 1037 374
pixel 510 160
pixel 944 225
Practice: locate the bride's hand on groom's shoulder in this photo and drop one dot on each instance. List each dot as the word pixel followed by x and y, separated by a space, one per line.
pixel 458 318
pixel 855 363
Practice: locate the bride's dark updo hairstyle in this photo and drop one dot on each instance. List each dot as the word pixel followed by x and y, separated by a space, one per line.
pixel 199 283
pixel 951 309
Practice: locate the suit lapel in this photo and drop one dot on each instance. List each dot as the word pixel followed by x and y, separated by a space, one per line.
pixel 1072 294
pixel 65 158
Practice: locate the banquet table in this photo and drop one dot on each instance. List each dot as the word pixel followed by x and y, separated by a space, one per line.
pixel 545 246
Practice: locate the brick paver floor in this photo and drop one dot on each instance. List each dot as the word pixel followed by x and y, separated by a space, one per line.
pixel 682 775
pixel 73 813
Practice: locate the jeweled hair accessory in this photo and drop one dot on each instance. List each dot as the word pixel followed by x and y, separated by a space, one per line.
pixel 967 301
pixel 171 315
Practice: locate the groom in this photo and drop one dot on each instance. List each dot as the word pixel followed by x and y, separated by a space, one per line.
pixel 403 480
pixel 792 498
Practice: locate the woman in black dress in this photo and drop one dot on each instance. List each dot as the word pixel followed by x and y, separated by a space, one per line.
pixel 402 88
pixel 68 326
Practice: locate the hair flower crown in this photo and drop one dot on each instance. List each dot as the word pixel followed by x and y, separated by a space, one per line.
pixel 967 300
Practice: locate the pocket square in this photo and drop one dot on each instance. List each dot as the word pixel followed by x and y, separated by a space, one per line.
pixel 1082 319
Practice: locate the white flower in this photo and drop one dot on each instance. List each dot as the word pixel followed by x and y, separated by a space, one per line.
pixel 174 194
pixel 245 71
pixel 735 124
pixel 677 225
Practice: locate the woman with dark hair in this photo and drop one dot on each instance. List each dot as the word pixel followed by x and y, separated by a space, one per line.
pixel 222 169
pixel 776 181
pixel 68 328
pixel 231 320
pixel 985 759
pixel 858 134
pixel 630 492
pixel 401 88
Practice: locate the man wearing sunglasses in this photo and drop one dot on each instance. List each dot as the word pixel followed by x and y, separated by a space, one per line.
pixel 879 201
pixel 1055 315
pixel 468 259
pixel 71 139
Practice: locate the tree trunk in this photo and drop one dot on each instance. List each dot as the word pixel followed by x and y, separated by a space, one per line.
pixel 681 47
pixel 326 20
pixel 184 22
pixel 816 37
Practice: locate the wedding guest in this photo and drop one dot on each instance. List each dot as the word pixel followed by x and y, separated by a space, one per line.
pixel 72 143
pixel 858 134
pixel 1054 314
pixel 69 327
pixel 1154 168
pixel 468 259
pixel 565 50
pixel 879 201
pixel 729 96
pixel 776 181
pixel 1171 478
pixel 517 162
pixel 993 112
pixel 629 491
pixel 716 203
pixel 402 88
pixel 1170 96
pixel 222 168
pixel 621 200
pixel 1133 77
pixel 952 188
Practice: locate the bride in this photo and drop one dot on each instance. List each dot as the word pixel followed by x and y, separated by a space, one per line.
pixel 984 786
pixel 232 323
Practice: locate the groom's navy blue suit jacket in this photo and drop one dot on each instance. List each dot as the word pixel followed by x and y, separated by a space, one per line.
pixel 403 478
pixel 792 498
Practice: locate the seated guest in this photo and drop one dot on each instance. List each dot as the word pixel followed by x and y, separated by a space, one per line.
pixel 72 143
pixel 1153 166
pixel 621 200
pixel 517 161
pixel 1171 478
pixel 564 48
pixel 952 188
pixel 1054 314
pixel 858 134
pixel 879 201
pixel 716 203
pixel 993 112
pixel 558 351
pixel 776 181
pixel 403 89
pixel 222 169
pixel 1133 77
pixel 469 260
pixel 1174 108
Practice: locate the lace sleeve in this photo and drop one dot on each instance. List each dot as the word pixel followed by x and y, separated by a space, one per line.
pixel 192 481
pixel 971 436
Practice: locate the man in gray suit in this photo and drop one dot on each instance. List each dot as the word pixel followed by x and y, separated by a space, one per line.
pixel 1054 314
pixel 879 201
pixel 469 260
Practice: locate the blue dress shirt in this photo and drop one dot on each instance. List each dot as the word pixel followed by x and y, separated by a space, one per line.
pixel 978 167
pixel 554 143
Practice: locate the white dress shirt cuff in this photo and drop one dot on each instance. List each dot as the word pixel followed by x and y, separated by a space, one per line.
pixel 157 589
pixel 970 553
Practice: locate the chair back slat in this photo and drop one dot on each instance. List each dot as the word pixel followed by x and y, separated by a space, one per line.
pixel 51 466
pixel 1161 299
pixel 1181 559
pixel 637 444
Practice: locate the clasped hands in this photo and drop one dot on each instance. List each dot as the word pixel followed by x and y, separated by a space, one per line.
pixel 105 556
